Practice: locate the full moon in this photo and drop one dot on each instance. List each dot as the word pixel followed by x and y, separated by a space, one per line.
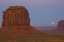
pixel 53 23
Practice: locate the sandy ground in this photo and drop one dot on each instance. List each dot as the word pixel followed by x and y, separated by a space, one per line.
pixel 50 30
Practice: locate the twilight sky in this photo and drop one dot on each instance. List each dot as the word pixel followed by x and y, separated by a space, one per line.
pixel 41 12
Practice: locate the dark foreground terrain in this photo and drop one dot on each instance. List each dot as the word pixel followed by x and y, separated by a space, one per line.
pixel 36 39
pixel 54 37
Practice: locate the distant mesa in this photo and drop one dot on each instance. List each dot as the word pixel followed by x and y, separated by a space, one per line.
pixel 60 25
pixel 16 23
pixel 59 30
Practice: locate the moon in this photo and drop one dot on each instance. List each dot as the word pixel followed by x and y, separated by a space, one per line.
pixel 52 23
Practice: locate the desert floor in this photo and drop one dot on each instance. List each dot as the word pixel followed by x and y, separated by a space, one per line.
pixel 56 36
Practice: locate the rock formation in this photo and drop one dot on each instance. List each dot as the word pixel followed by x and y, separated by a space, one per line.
pixel 15 15
pixel 59 30
pixel 16 23
pixel 61 24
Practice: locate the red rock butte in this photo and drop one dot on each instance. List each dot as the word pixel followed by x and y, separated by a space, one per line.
pixel 16 15
pixel 16 23
pixel 60 25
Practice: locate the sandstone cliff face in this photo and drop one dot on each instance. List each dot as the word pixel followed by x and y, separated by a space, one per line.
pixel 61 24
pixel 16 15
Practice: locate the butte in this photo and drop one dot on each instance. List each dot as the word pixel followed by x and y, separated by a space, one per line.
pixel 60 26
pixel 16 23
pixel 59 29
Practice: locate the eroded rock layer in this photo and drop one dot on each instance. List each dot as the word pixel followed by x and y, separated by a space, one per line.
pixel 16 15
pixel 61 24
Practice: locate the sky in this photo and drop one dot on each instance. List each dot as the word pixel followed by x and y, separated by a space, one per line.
pixel 41 12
